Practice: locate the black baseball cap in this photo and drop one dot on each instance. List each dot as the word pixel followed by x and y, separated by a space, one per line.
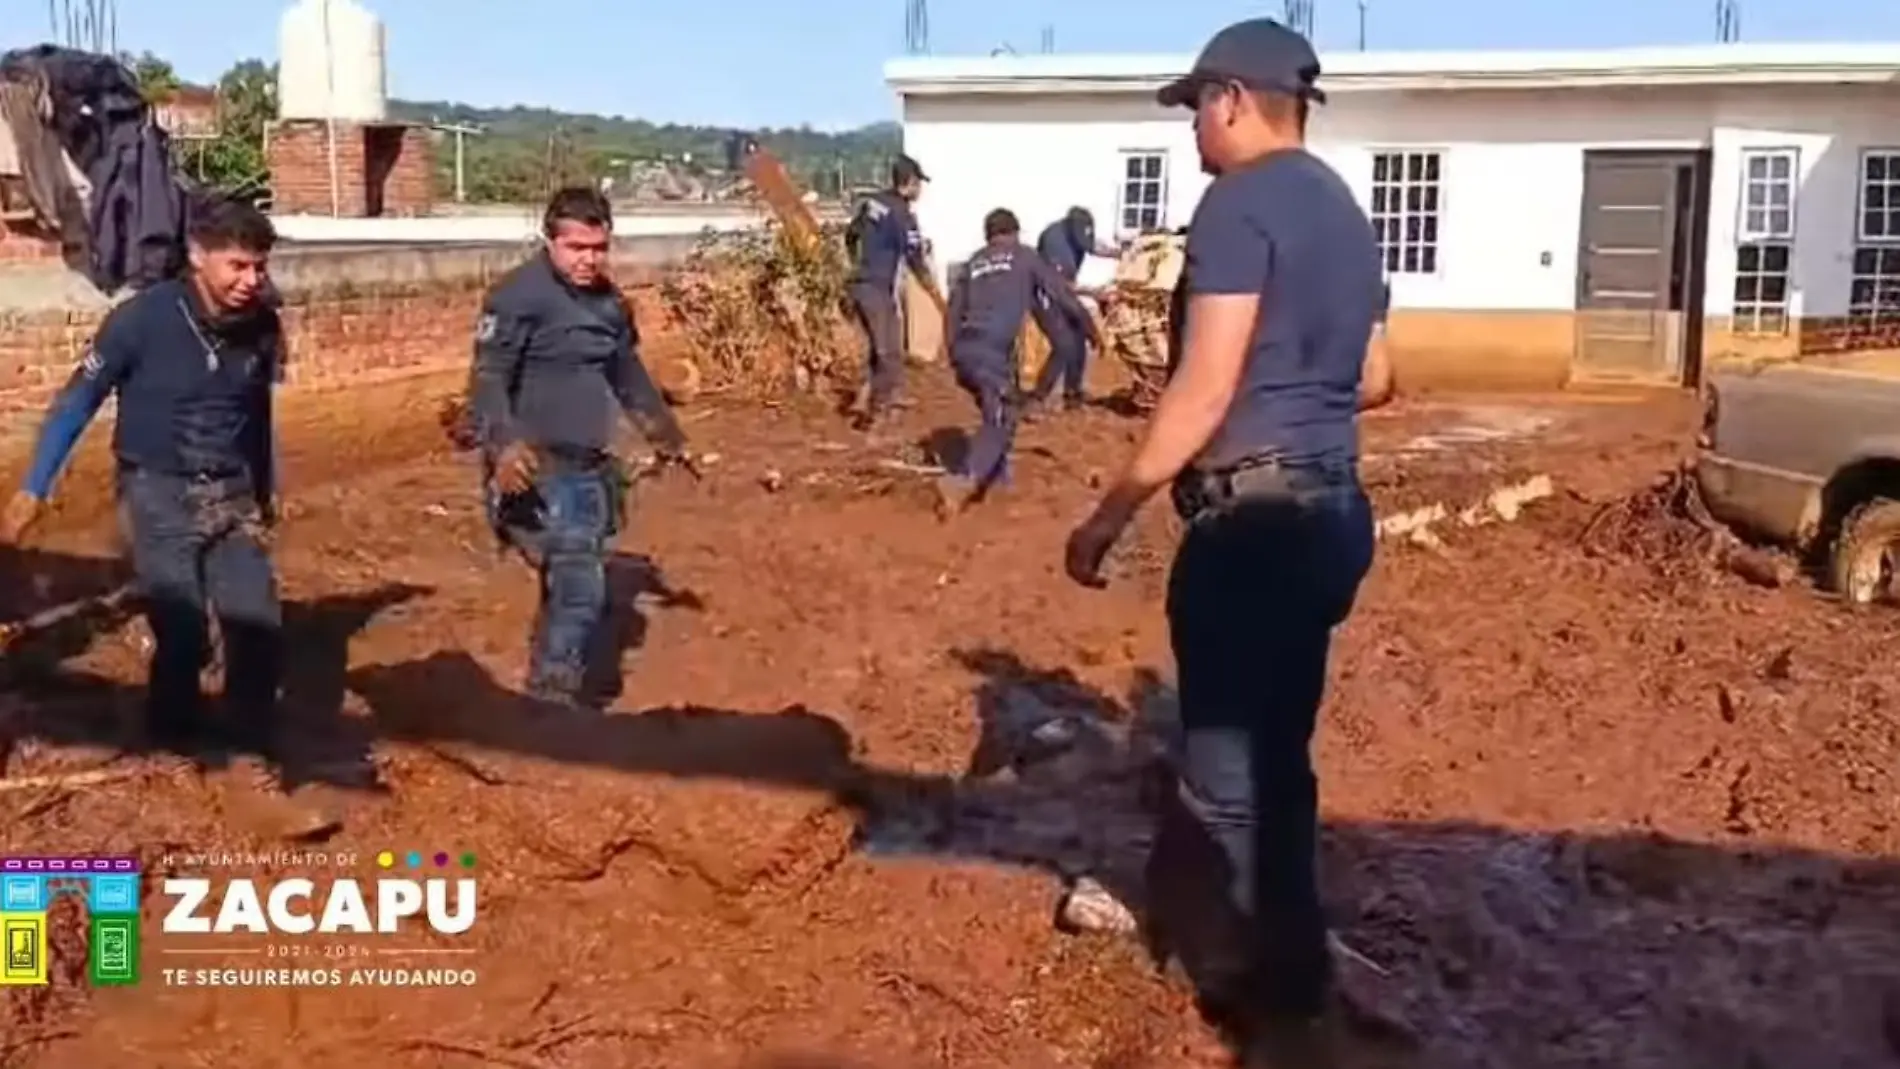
pixel 906 169
pixel 1260 54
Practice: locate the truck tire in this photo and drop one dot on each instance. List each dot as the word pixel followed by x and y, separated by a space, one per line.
pixel 1865 566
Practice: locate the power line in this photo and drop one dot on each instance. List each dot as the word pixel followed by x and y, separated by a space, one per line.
pixel 1728 21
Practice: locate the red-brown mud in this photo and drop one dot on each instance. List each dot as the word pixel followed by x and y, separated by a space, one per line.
pixel 1578 813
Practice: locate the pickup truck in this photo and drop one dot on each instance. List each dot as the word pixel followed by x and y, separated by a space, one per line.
pixel 1808 455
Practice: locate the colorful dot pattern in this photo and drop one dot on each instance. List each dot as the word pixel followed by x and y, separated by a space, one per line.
pixel 415 859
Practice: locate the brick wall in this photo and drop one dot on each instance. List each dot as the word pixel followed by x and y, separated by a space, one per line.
pixel 398 160
pixel 350 319
pixel 25 245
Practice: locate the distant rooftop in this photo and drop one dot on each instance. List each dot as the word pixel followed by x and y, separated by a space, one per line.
pixel 1712 64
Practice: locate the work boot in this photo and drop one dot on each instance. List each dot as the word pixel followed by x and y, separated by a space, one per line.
pixel 953 496
pixel 258 796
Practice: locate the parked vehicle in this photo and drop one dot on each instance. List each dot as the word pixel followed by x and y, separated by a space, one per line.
pixel 1809 455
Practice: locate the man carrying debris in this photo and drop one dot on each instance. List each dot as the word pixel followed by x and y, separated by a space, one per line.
pixel 883 239
pixel 557 357
pixel 1065 243
pixel 193 362
pixel 987 306
pixel 1257 432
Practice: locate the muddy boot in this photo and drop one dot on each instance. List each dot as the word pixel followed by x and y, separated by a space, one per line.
pixel 256 795
pixel 860 405
pixel 953 496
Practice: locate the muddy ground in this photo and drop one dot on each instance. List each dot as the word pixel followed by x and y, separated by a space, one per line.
pixel 1582 810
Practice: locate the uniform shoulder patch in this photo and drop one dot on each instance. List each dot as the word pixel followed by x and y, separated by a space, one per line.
pixel 94 362
pixel 485 328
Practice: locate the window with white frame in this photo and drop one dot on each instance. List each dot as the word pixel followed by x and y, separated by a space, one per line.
pixel 1142 203
pixel 1405 206
pixel 1874 290
pixel 1764 246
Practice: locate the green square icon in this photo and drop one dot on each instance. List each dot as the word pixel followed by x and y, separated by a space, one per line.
pixel 113 952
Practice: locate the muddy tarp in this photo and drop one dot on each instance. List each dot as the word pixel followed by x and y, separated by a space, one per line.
pixel 135 216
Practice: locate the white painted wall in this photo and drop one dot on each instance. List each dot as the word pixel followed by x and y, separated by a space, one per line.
pixel 498 227
pixel 1513 171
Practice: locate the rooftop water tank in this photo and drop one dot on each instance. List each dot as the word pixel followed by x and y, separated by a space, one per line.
pixel 330 63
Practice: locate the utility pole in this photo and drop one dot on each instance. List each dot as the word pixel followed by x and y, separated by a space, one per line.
pixel 1728 21
pixel 460 133
pixel 1364 6
pixel 916 27
pixel 1048 40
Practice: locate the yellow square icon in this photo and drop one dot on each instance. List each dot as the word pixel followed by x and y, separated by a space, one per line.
pixel 23 938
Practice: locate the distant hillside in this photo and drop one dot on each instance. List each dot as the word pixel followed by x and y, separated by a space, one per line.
pixel 520 145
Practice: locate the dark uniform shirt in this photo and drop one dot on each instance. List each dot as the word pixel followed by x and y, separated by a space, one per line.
pixel 994 291
pixel 884 236
pixel 1288 230
pixel 554 366
pixel 1064 248
pixel 194 391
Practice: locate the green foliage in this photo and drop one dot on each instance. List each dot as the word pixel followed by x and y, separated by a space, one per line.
pixel 509 161
pixel 156 79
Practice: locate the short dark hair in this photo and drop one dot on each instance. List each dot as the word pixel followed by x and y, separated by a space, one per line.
pixel 577 204
pixel 219 223
pixel 1001 223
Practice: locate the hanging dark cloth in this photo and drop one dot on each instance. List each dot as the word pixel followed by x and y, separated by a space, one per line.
pixel 135 222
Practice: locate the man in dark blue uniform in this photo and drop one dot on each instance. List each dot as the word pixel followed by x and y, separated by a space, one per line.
pixel 193 362
pixel 883 239
pixel 1065 243
pixel 1257 431
pixel 987 306
pixel 556 361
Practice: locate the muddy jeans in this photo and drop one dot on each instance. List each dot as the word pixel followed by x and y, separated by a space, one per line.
pixel 578 515
pixel 876 308
pixel 1257 587
pixel 988 375
pixel 197 543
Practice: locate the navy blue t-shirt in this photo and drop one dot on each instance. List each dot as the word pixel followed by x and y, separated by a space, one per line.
pixel 1288 229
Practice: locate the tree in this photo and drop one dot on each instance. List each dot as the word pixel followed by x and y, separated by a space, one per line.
pixel 156 79
pixel 234 162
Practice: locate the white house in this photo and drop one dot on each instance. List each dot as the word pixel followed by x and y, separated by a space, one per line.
pixel 1619 214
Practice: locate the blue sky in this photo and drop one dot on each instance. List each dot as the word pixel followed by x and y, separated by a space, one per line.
pixel 769 62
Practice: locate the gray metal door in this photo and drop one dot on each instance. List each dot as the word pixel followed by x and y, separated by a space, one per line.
pixel 1625 269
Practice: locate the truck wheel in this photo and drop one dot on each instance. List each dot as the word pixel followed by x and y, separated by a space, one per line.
pixel 1866 558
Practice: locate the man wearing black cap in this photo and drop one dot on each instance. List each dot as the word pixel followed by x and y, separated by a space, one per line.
pixel 883 237
pixel 1257 433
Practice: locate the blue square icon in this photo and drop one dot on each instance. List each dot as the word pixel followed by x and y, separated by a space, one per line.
pixel 22 894
pixel 115 893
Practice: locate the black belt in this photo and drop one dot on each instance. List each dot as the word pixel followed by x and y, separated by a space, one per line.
pixel 1197 491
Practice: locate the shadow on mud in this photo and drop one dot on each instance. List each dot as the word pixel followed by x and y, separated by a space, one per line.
pixel 1482 946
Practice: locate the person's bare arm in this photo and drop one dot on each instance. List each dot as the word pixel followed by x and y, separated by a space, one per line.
pixel 1220 331
pixel 1375 376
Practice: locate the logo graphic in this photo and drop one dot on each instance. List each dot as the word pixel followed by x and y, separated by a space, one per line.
pixel 110 886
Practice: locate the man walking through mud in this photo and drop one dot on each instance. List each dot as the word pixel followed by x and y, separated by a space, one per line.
pixel 193 362
pixel 1257 432
pixel 557 358
pixel 883 240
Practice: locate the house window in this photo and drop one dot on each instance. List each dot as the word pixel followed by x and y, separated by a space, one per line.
pixel 1405 197
pixel 1873 299
pixel 1765 241
pixel 1142 204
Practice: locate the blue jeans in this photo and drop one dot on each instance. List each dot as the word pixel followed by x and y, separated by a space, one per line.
pixel 1068 355
pixel 198 544
pixel 1257 587
pixel 579 516
pixel 988 375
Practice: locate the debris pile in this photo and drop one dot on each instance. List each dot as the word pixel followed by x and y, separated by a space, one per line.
pixel 1135 322
pixel 764 314
pixel 1668 528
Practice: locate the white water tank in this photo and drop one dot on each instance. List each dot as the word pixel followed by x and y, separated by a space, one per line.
pixel 330 63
